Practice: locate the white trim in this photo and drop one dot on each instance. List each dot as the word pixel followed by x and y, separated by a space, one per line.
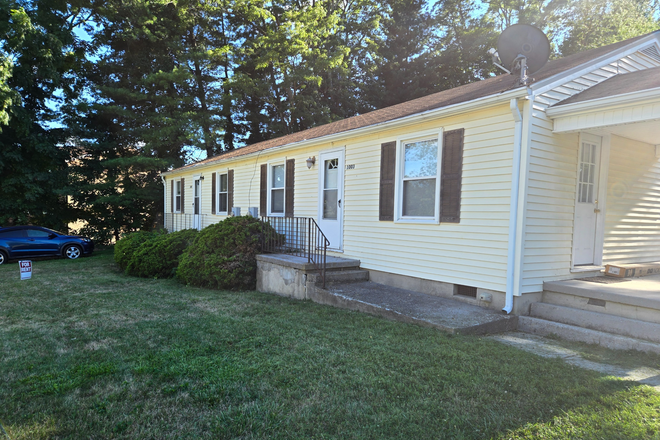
pixel 340 193
pixel 559 79
pixel 270 165
pixel 181 189
pixel 640 97
pixel 446 111
pixel 521 216
pixel 602 198
pixel 513 205
pixel 217 191
pixel 398 184
pixel 197 218
pixel 581 269
pixel 603 166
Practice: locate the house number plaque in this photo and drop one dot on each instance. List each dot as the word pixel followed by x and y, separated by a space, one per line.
pixel 350 167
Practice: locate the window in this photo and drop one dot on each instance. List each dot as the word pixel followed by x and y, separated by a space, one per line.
pixel 177 196
pixel 419 182
pixel 223 193
pixel 276 190
pixel 37 233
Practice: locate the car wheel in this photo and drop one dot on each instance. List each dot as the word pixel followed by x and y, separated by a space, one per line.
pixel 72 252
pixel 3 257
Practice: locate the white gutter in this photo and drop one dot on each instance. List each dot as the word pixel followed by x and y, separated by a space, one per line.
pixel 450 110
pixel 649 96
pixel 513 211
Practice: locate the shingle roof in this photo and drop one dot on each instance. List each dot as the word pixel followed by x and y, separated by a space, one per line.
pixel 456 95
pixel 618 85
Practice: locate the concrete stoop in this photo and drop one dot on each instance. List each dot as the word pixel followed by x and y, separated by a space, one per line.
pixel 414 307
pixel 624 315
pixel 543 327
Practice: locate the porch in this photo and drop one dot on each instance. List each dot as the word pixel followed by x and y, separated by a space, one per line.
pixel 620 313
pixel 617 197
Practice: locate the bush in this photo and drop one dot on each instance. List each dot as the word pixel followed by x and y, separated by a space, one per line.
pixel 130 243
pixel 223 255
pixel 159 258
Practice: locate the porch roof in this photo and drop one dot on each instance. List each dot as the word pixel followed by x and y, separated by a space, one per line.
pixel 625 105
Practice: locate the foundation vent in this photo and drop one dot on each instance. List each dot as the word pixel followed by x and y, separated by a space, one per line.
pixel 465 291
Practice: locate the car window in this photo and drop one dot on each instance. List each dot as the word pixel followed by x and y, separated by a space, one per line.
pixel 37 233
pixel 11 234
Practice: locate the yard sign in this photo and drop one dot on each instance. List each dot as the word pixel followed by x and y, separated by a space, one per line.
pixel 26 269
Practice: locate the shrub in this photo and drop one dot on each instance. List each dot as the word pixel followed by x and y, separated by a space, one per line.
pixel 223 255
pixel 130 243
pixel 159 258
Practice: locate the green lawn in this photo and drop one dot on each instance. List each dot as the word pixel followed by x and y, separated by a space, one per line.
pixel 88 352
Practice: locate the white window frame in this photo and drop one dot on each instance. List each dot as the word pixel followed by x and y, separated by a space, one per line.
pixel 270 188
pixel 217 192
pixel 177 197
pixel 400 164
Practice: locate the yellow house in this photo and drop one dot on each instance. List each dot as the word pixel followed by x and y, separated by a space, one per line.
pixel 492 187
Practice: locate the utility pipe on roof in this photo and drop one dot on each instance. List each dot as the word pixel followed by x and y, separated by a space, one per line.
pixel 513 213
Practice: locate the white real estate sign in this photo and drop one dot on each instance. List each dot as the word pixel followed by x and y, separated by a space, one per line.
pixel 26 269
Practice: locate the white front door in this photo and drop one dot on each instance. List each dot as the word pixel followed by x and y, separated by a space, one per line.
pixel 331 193
pixel 586 201
pixel 197 221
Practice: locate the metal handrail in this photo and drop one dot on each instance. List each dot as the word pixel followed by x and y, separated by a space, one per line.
pixel 174 221
pixel 299 236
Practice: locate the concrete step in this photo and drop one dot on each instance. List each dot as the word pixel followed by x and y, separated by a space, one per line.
pixel 542 327
pixel 340 276
pixel 633 328
pixel 414 307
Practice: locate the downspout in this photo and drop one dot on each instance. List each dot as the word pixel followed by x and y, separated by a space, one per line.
pixel 513 212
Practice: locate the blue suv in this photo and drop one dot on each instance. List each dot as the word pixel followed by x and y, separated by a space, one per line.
pixel 19 242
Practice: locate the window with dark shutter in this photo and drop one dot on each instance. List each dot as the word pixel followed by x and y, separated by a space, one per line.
pixel 263 191
pixel 387 177
pixel 452 172
pixel 183 193
pixel 213 195
pixel 230 190
pixel 288 190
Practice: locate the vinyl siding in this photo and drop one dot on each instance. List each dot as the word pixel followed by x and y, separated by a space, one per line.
pixel 632 221
pixel 472 252
pixel 552 178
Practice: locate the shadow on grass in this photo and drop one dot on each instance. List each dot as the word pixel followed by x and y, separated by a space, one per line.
pixel 134 358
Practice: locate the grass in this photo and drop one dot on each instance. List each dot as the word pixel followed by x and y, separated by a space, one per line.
pixel 87 352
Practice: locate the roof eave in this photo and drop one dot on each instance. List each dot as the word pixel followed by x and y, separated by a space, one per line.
pixel 449 110
pixel 558 79
pixel 608 102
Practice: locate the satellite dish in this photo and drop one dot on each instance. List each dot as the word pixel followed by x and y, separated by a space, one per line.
pixel 523 47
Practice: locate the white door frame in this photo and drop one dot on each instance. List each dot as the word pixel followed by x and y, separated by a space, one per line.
pixel 605 140
pixel 197 203
pixel 340 152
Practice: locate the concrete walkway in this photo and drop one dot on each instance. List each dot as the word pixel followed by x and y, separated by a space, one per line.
pixel 445 314
pixel 548 348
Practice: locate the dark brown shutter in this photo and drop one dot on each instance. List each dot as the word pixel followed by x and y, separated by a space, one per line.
pixel 183 193
pixel 263 191
pixel 387 175
pixel 172 193
pixel 288 185
pixel 213 195
pixel 230 191
pixel 450 179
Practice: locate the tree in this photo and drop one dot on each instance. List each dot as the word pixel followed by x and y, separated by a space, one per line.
pixel 39 40
pixel 594 23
